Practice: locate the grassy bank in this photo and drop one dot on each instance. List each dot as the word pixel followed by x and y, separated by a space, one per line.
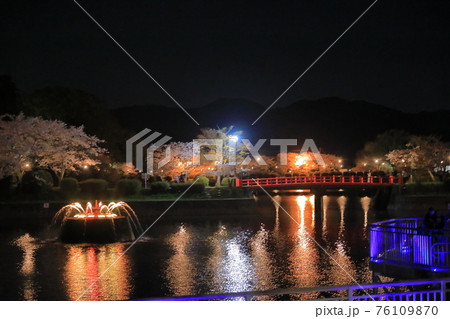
pixel 426 188
pixel 56 196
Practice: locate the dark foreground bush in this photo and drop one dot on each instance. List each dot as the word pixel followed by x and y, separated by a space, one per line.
pixel 6 187
pixel 37 182
pixel 128 187
pixel 159 187
pixel 94 187
pixel 446 185
pixel 146 192
pixel 212 181
pixel 179 188
pixel 425 188
pixel 69 186
pixel 228 192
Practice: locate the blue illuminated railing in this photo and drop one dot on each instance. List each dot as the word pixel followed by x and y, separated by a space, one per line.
pixel 407 243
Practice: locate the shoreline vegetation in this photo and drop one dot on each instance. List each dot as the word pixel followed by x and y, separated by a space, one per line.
pixel 57 195
pixel 403 202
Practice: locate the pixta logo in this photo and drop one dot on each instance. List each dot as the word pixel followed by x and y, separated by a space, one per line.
pixel 225 150
pixel 144 140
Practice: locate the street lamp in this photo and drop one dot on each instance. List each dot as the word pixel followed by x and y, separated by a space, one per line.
pixel 234 139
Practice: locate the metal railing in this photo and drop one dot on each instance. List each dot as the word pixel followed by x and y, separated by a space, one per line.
pixel 319 180
pixel 406 242
pixel 423 290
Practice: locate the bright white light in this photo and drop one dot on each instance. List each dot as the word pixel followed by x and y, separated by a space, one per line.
pixel 234 138
pixel 300 160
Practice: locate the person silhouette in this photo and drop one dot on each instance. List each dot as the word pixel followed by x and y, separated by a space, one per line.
pixel 431 219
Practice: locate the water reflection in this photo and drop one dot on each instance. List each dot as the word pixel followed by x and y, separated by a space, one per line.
pixel 180 267
pixel 365 203
pixel 342 202
pixel 217 254
pixel 277 233
pixel 236 266
pixel 27 267
pixel 230 265
pixel 342 270
pixel 277 202
pixel 302 259
pixel 214 264
pixel 311 200
pixel 84 266
pixel 301 202
pixel 262 260
pixel 325 202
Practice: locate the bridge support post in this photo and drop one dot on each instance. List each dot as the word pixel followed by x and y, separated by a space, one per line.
pixel 318 203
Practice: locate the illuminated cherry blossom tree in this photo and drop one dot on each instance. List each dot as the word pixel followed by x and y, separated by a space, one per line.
pixel 423 153
pixel 180 158
pixel 306 164
pixel 27 142
pixel 233 151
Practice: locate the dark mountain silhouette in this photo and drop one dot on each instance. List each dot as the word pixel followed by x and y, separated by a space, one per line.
pixel 336 125
pixel 174 122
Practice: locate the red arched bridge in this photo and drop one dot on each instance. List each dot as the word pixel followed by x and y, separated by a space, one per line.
pixel 311 181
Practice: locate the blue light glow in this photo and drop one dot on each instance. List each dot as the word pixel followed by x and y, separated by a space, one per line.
pixel 375 260
pixel 405 242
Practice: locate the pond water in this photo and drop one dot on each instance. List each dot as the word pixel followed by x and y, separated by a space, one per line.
pixel 214 253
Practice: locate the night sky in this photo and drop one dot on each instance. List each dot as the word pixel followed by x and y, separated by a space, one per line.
pixel 396 55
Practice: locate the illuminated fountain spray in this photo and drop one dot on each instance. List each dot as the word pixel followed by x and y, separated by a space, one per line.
pixel 97 223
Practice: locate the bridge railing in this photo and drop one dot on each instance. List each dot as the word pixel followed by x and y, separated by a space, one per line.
pixel 406 242
pixel 318 180
pixel 412 290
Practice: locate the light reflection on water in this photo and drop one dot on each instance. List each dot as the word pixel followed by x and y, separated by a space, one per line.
pixel 262 260
pixel 325 201
pixel 229 266
pixel 86 263
pixel 365 203
pixel 218 255
pixel 342 202
pixel 28 246
pixel 180 266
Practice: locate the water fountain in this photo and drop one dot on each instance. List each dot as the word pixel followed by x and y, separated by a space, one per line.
pixel 98 223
